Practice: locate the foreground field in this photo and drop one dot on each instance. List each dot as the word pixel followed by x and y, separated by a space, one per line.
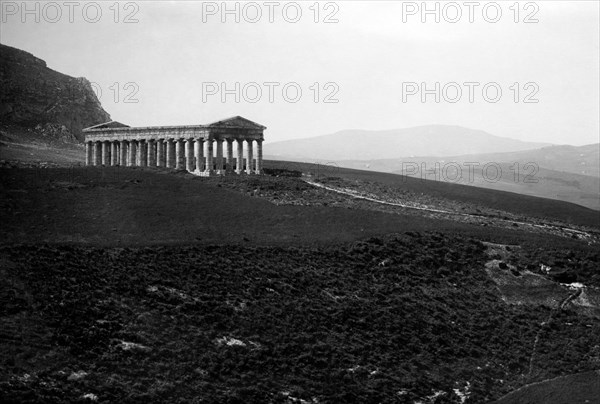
pixel 397 319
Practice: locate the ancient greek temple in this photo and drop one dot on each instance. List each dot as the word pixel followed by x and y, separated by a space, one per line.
pixel 190 148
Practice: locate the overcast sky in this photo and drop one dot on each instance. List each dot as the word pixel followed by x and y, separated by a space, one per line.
pixel 173 52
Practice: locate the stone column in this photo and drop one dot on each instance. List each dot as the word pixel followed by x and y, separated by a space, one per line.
pixel 189 155
pixel 114 153
pixel 219 156
pixel 106 153
pixel 180 153
pixel 160 153
pixel 89 153
pixel 151 153
pixel 123 153
pixel 240 156
pixel 97 153
pixel 229 165
pixel 143 160
pixel 209 157
pixel 173 153
pixel 131 159
pixel 165 150
pixel 138 155
pixel 258 157
pixel 249 156
pixel 199 154
pixel 170 153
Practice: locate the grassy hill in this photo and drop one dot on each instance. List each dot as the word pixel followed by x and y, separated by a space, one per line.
pixel 508 201
pixel 116 206
pixel 149 285
pixel 582 160
pixel 120 206
pixel 565 173
pixel 539 182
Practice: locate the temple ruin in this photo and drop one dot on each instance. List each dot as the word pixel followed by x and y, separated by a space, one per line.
pixel 188 148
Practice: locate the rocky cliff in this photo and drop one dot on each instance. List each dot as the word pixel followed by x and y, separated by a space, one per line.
pixel 33 95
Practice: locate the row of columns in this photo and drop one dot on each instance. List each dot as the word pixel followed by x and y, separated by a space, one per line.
pixel 194 155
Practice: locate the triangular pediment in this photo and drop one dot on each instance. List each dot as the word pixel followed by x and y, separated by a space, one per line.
pixel 108 125
pixel 236 122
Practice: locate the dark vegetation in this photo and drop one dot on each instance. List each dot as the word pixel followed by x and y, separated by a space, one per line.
pixel 282 172
pixel 566 265
pixel 391 319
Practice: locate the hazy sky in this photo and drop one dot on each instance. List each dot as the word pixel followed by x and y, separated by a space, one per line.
pixel 172 52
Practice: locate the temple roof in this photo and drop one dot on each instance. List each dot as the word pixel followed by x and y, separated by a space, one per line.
pixel 236 122
pixel 108 125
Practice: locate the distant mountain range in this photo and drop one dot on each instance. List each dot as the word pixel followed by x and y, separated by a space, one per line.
pixel 430 140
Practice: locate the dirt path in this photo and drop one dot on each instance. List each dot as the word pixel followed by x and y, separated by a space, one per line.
pixel 545 227
pixel 561 306
pixel 528 385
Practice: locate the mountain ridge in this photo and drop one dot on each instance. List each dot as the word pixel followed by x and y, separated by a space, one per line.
pixel 438 140
pixel 32 94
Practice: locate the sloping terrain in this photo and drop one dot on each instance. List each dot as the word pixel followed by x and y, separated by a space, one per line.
pixel 405 318
pixel 565 173
pixel 522 178
pixel 43 145
pixel 150 285
pixel 493 199
pixel 118 206
pixel 583 160
pixel 32 94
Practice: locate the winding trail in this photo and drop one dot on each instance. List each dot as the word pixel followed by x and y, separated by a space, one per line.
pixel 528 385
pixel 560 307
pixel 354 194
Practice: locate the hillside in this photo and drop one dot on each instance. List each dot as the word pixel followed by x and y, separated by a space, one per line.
pixel 436 140
pixel 566 173
pixel 495 199
pixel 524 172
pixel 130 285
pixel 136 207
pixel 581 160
pixel 32 94
pixel 540 182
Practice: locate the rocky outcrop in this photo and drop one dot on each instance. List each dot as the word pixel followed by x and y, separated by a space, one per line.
pixel 31 94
